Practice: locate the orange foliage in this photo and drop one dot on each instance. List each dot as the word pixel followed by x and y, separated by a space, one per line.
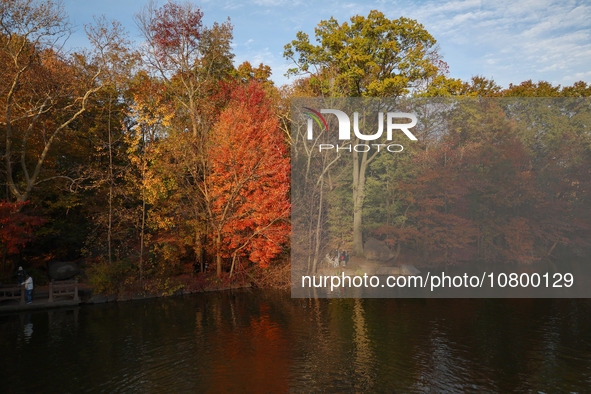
pixel 247 186
pixel 16 228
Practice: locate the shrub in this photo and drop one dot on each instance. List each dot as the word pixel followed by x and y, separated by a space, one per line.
pixel 107 278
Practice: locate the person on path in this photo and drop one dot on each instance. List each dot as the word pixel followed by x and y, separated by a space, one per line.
pixel 29 289
pixel 21 275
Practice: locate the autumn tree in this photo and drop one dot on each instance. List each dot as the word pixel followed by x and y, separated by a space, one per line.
pixel 445 86
pixel 43 90
pixel 187 55
pixel 554 132
pixel 246 72
pixel 482 191
pixel 191 61
pixel 106 124
pixel 151 112
pixel 247 187
pixel 16 229
pixel 311 183
pixel 371 56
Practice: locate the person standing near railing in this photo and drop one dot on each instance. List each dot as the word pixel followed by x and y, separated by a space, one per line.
pixel 29 289
pixel 21 275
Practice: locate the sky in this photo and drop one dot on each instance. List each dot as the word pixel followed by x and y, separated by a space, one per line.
pixel 506 40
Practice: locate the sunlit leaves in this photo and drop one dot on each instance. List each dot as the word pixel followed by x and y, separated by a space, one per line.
pixel 176 31
pixel 370 56
pixel 248 182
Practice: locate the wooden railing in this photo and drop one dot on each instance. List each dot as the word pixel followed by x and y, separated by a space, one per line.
pixel 56 289
pixel 12 292
pixel 62 288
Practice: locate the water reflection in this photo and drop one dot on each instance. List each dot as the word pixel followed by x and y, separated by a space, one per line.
pixel 27 328
pixel 265 341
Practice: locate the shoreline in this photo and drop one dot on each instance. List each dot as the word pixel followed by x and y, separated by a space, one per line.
pixel 43 303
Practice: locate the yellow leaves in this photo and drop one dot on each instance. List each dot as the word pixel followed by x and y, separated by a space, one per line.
pixel 150 114
pixel 365 53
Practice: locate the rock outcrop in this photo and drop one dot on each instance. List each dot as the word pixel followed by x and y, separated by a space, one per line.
pixel 377 250
pixel 62 270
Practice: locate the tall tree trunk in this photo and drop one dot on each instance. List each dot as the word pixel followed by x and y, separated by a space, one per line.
pixel 359 169
pixel 202 241
pixel 4 260
pixel 233 262
pixel 318 228
pixel 360 163
pixel 142 239
pixel 143 228
pixel 110 225
pixel 218 258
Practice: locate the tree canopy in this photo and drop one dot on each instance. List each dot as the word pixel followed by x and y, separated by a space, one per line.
pixel 369 56
pixel 166 159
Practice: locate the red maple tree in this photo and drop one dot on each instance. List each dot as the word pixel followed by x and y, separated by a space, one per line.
pixel 247 185
pixel 16 228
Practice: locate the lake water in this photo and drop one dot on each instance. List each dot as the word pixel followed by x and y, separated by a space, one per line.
pixel 265 341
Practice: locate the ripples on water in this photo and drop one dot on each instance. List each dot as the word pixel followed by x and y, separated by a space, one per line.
pixel 265 341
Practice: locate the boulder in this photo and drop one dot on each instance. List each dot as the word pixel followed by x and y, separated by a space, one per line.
pixel 387 271
pixel 62 270
pixel 101 299
pixel 407 269
pixel 374 249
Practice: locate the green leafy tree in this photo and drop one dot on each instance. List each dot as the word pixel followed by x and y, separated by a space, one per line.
pixel 371 56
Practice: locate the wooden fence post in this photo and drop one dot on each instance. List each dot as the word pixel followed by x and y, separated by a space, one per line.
pixel 76 289
pixel 51 291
